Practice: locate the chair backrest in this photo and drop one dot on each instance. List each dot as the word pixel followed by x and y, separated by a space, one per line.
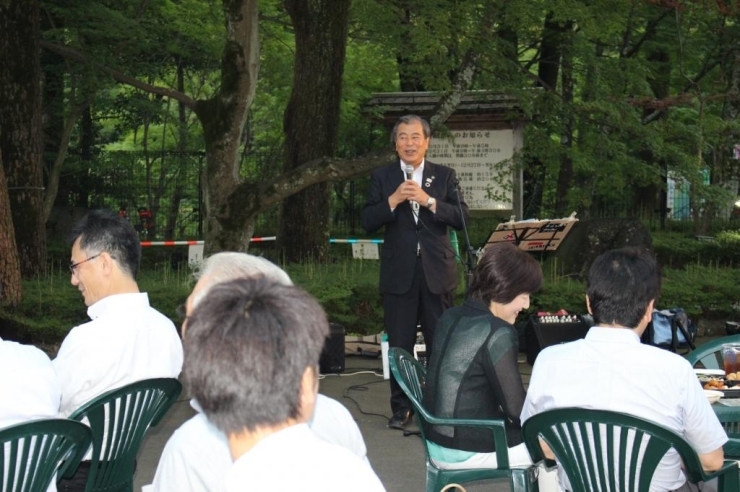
pixel 710 353
pixel 119 420
pixel 410 374
pixel 31 453
pixel 411 377
pixel 630 448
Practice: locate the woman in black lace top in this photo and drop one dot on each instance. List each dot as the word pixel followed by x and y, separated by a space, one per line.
pixel 473 371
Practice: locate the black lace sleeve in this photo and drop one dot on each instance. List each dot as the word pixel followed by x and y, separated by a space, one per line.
pixel 503 372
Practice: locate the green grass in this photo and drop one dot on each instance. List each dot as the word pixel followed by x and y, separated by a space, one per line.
pixel 700 277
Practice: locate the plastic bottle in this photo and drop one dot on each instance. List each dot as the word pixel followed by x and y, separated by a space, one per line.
pixel 384 352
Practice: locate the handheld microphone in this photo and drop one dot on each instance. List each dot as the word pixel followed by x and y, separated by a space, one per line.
pixel 409 170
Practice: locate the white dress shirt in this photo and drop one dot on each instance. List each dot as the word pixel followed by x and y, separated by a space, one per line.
pixel 611 370
pixel 126 341
pixel 28 383
pixel 295 459
pixel 29 386
pixel 196 458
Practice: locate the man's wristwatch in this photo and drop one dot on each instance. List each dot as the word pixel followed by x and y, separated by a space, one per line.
pixel 431 202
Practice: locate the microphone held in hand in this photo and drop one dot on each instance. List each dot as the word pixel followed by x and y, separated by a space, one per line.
pixel 409 172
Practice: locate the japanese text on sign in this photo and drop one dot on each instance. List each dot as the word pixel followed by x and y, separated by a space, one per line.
pixel 474 156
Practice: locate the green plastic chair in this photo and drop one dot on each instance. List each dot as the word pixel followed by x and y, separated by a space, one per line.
pixel 411 376
pixel 31 453
pixel 119 420
pixel 709 354
pixel 608 434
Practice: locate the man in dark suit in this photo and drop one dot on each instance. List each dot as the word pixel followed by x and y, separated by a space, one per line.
pixel 418 273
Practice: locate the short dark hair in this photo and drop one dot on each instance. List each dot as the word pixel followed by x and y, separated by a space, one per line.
pixel 621 284
pixel 105 230
pixel 247 345
pixel 408 119
pixel 504 272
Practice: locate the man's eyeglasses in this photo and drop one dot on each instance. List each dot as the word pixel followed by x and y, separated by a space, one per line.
pixel 73 266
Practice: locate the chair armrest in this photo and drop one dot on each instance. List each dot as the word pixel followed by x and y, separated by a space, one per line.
pixel 728 478
pixel 497 427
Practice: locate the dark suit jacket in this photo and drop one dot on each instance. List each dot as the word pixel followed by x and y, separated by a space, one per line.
pixel 402 234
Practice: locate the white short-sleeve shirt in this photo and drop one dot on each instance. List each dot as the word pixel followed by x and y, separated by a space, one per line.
pixel 126 341
pixel 29 386
pixel 295 459
pixel 611 370
pixel 28 383
pixel 196 458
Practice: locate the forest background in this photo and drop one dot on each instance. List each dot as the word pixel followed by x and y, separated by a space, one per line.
pixel 617 96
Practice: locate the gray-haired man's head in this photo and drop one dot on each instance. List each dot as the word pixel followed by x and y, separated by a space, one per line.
pixel 228 266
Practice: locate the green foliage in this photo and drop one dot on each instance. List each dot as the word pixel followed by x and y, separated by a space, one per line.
pixel 705 292
pixel 347 290
pixel 675 250
pixel 52 305
pixel 559 293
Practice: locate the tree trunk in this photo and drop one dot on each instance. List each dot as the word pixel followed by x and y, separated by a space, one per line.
pixel 87 140
pixel 170 231
pixel 11 287
pixel 311 121
pixel 227 227
pixel 649 198
pixel 565 174
pixel 231 206
pixel 20 129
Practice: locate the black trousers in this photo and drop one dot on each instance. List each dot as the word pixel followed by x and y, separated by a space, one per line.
pixel 78 481
pixel 402 313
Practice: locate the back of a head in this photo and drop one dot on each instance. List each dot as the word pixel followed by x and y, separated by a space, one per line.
pixel 621 284
pixel 249 342
pixel 504 272
pixel 105 230
pixel 231 265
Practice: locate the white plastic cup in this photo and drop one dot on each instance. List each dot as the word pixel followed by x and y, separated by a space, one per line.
pixel 384 354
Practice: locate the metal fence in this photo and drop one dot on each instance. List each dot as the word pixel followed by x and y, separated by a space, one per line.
pixel 161 193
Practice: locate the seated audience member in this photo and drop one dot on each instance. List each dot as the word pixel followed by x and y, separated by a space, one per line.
pixel 196 457
pixel 251 354
pixel 611 370
pixel 126 340
pixel 473 371
pixel 29 385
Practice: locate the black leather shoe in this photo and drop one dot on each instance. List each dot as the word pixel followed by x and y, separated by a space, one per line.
pixel 401 419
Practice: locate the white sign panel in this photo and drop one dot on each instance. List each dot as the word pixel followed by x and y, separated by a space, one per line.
pixel 365 251
pixel 195 254
pixel 478 156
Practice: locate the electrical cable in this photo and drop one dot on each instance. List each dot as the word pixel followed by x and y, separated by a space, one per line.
pixel 363 387
pixel 358 371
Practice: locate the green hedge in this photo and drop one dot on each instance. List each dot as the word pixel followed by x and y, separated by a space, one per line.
pixel 703 277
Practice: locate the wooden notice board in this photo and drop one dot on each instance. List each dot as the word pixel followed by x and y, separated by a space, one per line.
pixel 539 235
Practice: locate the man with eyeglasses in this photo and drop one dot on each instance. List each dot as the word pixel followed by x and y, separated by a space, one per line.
pixel 126 340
